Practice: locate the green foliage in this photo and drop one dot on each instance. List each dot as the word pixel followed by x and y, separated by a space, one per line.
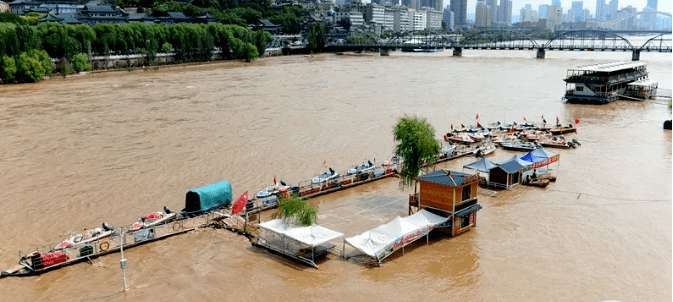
pixel 289 18
pixel 296 210
pixel 316 37
pixel 250 52
pixel 80 62
pixel 33 65
pixel 416 143
pixel 361 39
pixel 261 38
pixel 12 18
pixel 31 18
pixel 7 68
pixel 166 47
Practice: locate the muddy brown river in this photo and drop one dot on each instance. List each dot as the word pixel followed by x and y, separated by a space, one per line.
pixel 108 147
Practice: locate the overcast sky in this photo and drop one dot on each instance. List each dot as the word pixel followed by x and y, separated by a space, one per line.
pixel 663 5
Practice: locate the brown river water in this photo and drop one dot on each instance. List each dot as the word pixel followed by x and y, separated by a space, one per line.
pixel 108 147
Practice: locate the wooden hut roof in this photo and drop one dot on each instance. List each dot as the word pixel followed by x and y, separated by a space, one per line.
pixel 446 178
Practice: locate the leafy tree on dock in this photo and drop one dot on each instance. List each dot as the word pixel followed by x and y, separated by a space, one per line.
pixel 316 37
pixel 296 210
pixel 416 143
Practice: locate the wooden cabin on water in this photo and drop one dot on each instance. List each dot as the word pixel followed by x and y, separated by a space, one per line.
pixel 448 194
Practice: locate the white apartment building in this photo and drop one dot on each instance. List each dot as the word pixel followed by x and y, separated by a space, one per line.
pixel 401 20
pixel 356 19
pixel 375 13
pixel 433 19
pixel 389 19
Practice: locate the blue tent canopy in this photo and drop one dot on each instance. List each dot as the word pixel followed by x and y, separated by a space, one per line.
pixel 531 158
pixel 482 165
pixel 543 153
pixel 515 159
pixel 210 197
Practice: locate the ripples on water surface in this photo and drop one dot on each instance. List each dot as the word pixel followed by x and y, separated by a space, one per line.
pixel 109 147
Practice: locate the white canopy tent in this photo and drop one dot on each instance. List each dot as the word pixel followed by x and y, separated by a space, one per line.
pixel 382 241
pixel 285 236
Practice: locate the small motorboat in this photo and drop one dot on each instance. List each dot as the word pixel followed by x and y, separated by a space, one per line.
pixel 485 150
pixel 458 137
pixel 476 136
pixel 85 237
pixel 559 129
pixel 325 176
pixel 446 151
pixel 153 219
pixel 272 190
pixel 559 142
pixel 518 146
pixel 361 168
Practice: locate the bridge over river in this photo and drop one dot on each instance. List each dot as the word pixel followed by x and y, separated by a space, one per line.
pixel 575 40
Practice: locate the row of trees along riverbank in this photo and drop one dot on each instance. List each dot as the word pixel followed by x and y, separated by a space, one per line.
pixel 189 42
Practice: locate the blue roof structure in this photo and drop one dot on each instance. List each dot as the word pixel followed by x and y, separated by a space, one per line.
pixel 482 165
pixel 530 157
pixel 445 177
pixel 511 166
pixel 515 159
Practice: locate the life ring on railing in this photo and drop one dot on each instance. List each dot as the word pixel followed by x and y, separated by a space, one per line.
pixel 177 226
pixel 104 246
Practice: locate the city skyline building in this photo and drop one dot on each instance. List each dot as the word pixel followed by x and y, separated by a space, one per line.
pixel 482 18
pixel 492 9
pixel 459 9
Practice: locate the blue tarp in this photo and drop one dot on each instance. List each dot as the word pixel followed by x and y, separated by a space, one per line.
pixel 516 159
pixel 482 165
pixel 530 157
pixel 208 198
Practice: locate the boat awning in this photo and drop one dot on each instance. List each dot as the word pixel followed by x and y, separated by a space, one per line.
pixel 310 235
pixel 643 83
pixel 466 211
pixel 208 197
pixel 386 238
pixel 609 67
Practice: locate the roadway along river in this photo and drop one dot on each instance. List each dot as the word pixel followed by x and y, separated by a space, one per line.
pixel 108 147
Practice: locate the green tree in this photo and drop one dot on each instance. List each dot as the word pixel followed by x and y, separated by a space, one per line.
pixel 261 39
pixel 416 143
pixel 296 210
pixel 30 67
pixel 166 47
pixel 8 68
pixel 316 37
pixel 250 52
pixel 80 62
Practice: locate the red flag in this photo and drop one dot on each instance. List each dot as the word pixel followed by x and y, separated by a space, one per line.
pixel 478 126
pixel 477 115
pixel 512 129
pixel 451 126
pixel 575 131
pixel 240 203
pixel 557 120
pixel 524 119
pixel 577 121
pixel 275 183
pixel 543 116
pixel 324 162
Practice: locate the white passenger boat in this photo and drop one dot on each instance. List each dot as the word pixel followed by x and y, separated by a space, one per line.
pixel 606 82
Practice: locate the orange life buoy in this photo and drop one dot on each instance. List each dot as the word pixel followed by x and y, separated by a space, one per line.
pixel 104 246
pixel 177 226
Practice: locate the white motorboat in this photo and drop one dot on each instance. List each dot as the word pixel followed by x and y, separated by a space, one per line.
pixel 152 219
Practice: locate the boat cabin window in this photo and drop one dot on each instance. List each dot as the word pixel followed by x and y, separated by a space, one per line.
pixel 466 222
pixel 579 88
pixel 467 191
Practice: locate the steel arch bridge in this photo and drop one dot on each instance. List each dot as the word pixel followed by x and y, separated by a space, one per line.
pixel 577 40
pixel 614 23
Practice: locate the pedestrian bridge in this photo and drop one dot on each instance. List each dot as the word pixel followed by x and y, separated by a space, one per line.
pixel 576 40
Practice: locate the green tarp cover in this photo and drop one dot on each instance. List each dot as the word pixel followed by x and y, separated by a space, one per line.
pixel 208 197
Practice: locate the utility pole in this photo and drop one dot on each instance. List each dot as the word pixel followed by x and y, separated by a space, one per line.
pixel 122 262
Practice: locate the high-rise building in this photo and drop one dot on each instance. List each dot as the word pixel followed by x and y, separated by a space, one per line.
pixel 600 10
pixel 611 12
pixel 528 6
pixel 542 10
pixel 576 12
pixel 459 9
pixel 505 12
pixel 436 4
pixel 482 17
pixel 493 10
pixel 556 3
pixel 554 17
pixel 448 18
pixel 652 4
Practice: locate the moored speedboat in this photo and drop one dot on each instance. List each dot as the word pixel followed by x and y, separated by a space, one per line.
pixel 458 137
pixel 325 176
pixel 85 237
pixel 361 168
pixel 518 146
pixel 485 150
pixel 153 219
